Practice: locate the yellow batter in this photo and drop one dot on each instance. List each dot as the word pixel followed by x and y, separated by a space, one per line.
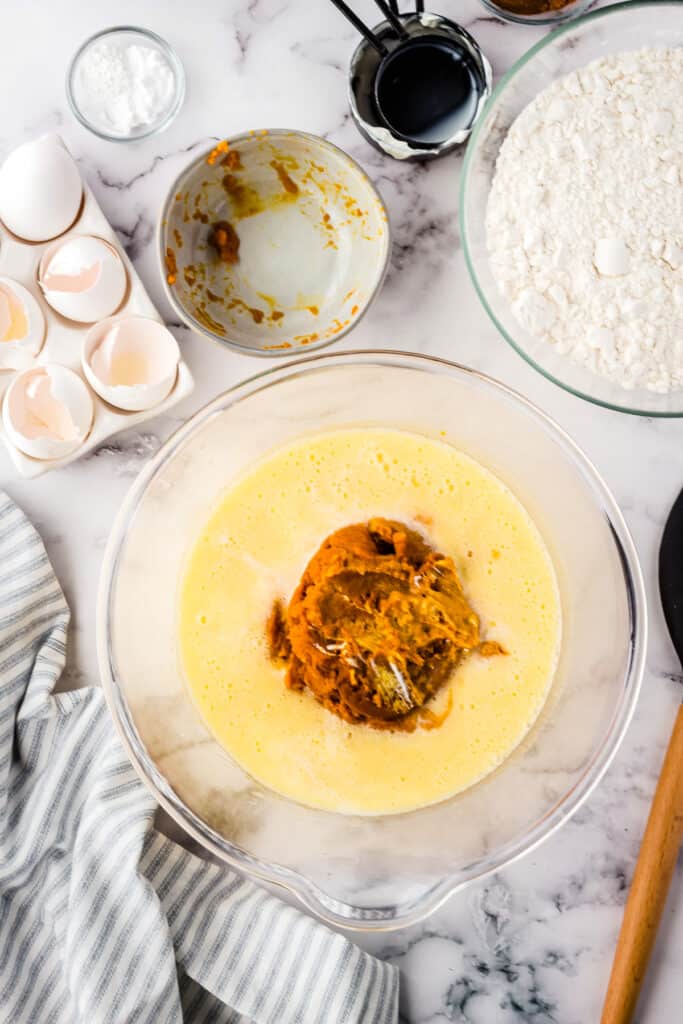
pixel 255 547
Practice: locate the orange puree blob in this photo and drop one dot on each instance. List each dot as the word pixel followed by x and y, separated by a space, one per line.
pixel 376 626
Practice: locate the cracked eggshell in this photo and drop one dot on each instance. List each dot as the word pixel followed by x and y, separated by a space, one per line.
pixel 83 278
pixel 22 326
pixel 131 362
pixel 47 412
pixel 40 190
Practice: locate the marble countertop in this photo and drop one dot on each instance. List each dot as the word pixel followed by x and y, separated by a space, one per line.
pixel 535 942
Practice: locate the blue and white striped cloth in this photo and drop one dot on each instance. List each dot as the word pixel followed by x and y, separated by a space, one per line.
pixel 102 919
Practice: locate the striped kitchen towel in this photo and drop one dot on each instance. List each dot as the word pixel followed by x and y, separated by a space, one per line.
pixel 102 919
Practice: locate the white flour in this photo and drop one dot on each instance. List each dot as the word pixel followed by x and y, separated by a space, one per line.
pixel 120 87
pixel 585 217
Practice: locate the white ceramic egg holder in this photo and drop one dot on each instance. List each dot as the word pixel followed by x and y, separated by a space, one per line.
pixel 64 338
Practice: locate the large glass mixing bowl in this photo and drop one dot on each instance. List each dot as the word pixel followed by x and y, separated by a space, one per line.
pixel 360 871
pixel 622 27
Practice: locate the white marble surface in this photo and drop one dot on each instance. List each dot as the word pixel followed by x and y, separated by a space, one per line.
pixel 533 944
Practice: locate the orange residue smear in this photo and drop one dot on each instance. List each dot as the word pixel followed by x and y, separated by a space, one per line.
pixel 426 520
pixel 306 339
pixel 232 160
pixel 354 310
pixel 276 315
pixel 313 310
pixel 178 196
pixel 220 147
pixel 225 240
pixel 271 348
pixel 349 294
pixel 287 183
pixel 208 321
pixel 256 315
pixel 171 266
pixel 178 238
pixel 428 719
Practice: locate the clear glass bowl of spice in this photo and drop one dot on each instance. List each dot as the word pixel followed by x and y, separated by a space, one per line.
pixel 125 83
pixel 536 12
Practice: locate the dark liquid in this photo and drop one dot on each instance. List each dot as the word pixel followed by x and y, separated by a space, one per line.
pixel 428 89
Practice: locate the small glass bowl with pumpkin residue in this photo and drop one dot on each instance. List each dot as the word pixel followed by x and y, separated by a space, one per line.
pixel 273 242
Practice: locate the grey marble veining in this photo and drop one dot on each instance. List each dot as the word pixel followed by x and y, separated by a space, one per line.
pixel 534 943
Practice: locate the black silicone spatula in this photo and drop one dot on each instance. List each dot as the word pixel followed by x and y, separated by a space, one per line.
pixel 664 830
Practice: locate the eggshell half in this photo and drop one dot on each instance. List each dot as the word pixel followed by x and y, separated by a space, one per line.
pixel 83 278
pixel 47 412
pixel 131 362
pixel 22 326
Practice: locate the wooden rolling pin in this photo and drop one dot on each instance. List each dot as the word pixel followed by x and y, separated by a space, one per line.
pixel 654 869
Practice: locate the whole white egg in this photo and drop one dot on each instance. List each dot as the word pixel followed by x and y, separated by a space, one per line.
pixel 22 326
pixel 40 190
pixel 131 362
pixel 83 278
pixel 47 412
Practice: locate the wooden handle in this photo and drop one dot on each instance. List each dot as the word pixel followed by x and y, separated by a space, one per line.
pixel 656 863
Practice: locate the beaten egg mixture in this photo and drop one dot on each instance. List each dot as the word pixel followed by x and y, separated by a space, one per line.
pixel 253 551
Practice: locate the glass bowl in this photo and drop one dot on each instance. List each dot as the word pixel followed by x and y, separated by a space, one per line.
pixel 384 871
pixel 127 34
pixel 627 26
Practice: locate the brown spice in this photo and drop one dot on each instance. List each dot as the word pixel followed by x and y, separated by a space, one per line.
pixel 531 7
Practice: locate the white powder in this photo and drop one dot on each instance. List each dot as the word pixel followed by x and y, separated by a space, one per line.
pixel 121 87
pixel 585 218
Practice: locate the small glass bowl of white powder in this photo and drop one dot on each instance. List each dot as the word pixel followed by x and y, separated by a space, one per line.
pixel 125 83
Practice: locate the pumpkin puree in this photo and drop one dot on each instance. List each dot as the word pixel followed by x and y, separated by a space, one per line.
pixel 376 626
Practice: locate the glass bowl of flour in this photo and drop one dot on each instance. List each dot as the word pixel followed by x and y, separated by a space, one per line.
pixel 125 84
pixel 572 207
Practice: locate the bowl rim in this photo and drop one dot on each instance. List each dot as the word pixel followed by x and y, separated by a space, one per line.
pixel 313 898
pixel 500 88
pixel 234 140
pixel 173 60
